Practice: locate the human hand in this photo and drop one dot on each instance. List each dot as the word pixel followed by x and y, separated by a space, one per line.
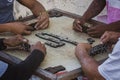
pixel 43 21
pixel 20 28
pixel 15 41
pixel 82 48
pixel 98 30
pixel 39 46
pixel 77 25
pixel 110 37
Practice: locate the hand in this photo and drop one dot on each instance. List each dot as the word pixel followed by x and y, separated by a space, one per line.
pixel 43 21
pixel 82 48
pixel 39 46
pixel 20 28
pixel 110 37
pixel 77 25
pixel 15 41
pixel 97 31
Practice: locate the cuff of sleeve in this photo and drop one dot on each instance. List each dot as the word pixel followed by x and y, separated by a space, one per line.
pixel 39 53
pixel 102 72
pixel 2 44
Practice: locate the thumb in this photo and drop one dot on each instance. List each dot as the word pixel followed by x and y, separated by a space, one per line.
pixel 78 22
pixel 27 32
pixel 104 39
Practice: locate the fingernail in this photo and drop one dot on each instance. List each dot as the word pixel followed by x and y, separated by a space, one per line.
pixel 78 21
pixel 101 42
pixel 24 40
pixel 35 26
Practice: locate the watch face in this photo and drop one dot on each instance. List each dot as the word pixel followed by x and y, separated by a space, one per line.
pixel 10 0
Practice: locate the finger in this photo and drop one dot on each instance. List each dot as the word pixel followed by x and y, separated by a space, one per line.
pixel 78 21
pixel 25 40
pixel 92 33
pixel 39 18
pixel 43 24
pixel 22 39
pixel 19 38
pixel 43 18
pixel 104 38
pixel 91 29
pixel 27 32
pixel 37 25
pixel 30 28
pixel 77 27
pixel 95 36
pixel 38 42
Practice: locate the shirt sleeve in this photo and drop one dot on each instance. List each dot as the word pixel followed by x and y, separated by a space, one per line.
pixel 33 61
pixel 110 69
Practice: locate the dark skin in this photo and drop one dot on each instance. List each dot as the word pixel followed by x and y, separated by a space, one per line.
pixel 21 28
pixel 39 11
pixel 110 37
pixel 88 64
pixel 39 46
pixel 98 30
pixel 14 41
pixel 18 40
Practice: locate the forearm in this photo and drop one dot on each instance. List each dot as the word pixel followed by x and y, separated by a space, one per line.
pixel 35 58
pixel 4 28
pixel 89 66
pixel 115 26
pixel 31 63
pixel 37 9
pixel 34 6
pixel 25 69
pixel 94 9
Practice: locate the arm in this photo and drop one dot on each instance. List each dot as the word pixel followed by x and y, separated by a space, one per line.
pixel 12 42
pixel 32 62
pixel 110 37
pixel 98 30
pixel 16 28
pixel 27 67
pixel 4 28
pixel 34 6
pixel 88 64
pixel 39 11
pixel 115 26
pixel 94 9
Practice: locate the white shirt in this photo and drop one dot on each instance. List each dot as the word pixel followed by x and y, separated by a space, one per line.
pixel 110 69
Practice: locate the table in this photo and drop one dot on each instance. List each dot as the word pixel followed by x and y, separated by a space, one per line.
pixel 65 56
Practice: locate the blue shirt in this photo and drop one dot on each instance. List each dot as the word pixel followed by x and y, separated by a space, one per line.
pixel 3 68
pixel 6 11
